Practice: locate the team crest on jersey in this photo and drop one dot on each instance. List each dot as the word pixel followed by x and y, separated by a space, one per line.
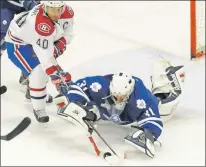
pixel 95 87
pixel 141 104
pixel 45 28
pixel 4 22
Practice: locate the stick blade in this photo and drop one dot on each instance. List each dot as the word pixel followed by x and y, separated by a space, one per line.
pixel 3 89
pixel 20 128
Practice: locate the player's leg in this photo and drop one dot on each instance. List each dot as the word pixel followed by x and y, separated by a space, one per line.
pixel 38 93
pixel 167 86
pixel 22 57
pixel 49 98
pixel 23 79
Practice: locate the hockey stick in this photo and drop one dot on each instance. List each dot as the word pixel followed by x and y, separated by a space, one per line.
pixel 112 160
pixel 20 128
pixel 96 149
pixel 3 89
pixel 91 125
pixel 88 123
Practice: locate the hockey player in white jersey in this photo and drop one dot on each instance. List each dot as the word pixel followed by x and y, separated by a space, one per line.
pixel 34 40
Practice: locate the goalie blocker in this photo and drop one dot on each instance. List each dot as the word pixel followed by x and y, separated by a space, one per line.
pixel 77 113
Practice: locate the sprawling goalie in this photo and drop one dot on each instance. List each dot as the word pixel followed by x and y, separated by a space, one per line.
pixel 124 99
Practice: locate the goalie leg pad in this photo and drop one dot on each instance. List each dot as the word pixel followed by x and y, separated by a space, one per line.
pixel 74 114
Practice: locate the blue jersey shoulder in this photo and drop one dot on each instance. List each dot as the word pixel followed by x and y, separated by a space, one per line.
pixel 95 85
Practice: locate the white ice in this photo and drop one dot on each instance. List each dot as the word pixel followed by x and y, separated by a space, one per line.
pixel 111 36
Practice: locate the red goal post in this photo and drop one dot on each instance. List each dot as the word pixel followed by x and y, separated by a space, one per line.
pixel 197 21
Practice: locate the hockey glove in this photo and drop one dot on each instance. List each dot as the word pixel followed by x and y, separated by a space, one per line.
pixel 59 47
pixel 143 140
pixel 59 78
pixel 77 114
pixel 93 113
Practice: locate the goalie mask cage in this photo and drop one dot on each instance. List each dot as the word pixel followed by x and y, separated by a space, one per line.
pixel 197 15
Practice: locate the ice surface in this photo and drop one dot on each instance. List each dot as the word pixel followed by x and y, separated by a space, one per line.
pixel 93 52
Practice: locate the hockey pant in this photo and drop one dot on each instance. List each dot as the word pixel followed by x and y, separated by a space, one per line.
pixel 24 58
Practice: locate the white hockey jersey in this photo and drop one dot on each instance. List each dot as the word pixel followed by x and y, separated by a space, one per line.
pixel 37 29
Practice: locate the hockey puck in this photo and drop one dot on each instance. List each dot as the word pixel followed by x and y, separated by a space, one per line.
pixel 107 154
pixel 3 89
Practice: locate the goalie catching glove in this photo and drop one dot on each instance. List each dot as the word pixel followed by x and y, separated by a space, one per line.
pixel 77 114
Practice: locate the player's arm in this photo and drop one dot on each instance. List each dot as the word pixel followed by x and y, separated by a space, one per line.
pixel 150 119
pixel 78 93
pixel 68 34
pixel 149 122
pixel 44 47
